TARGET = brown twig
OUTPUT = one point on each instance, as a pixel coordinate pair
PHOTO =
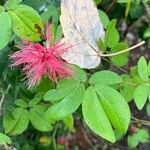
(142, 122)
(111, 7)
(123, 51)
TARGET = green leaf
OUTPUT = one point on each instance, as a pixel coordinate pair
(17, 122)
(104, 18)
(148, 68)
(58, 33)
(143, 69)
(134, 71)
(137, 80)
(12, 4)
(133, 140)
(5, 29)
(68, 105)
(4, 139)
(38, 5)
(111, 41)
(119, 136)
(121, 59)
(141, 94)
(147, 33)
(38, 120)
(127, 87)
(95, 116)
(21, 103)
(51, 11)
(69, 122)
(24, 25)
(128, 6)
(53, 31)
(34, 101)
(98, 1)
(143, 135)
(149, 96)
(79, 73)
(136, 11)
(45, 85)
(62, 90)
(1, 9)
(105, 77)
(4, 59)
(102, 45)
(115, 107)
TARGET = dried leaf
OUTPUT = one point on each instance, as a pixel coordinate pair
(82, 28)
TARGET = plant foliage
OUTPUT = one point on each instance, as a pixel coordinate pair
(95, 92)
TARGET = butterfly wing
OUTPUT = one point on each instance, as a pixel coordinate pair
(82, 28)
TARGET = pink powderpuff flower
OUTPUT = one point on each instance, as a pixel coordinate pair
(38, 60)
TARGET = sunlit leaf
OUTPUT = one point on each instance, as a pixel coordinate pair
(4, 139)
(95, 116)
(66, 106)
(122, 59)
(143, 69)
(111, 41)
(105, 77)
(104, 18)
(64, 88)
(24, 25)
(21, 103)
(12, 4)
(17, 122)
(5, 29)
(38, 120)
(141, 94)
(115, 107)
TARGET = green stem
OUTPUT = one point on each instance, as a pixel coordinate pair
(123, 70)
(54, 137)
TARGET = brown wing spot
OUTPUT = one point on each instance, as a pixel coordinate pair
(38, 28)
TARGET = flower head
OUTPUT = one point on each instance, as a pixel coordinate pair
(39, 60)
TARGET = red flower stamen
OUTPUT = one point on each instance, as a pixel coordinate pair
(39, 60)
